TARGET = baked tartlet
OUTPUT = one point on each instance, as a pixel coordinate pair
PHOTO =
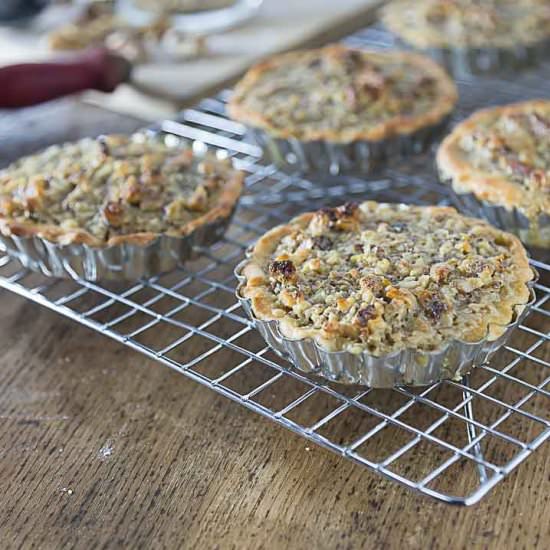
(336, 109)
(479, 35)
(382, 294)
(116, 195)
(498, 163)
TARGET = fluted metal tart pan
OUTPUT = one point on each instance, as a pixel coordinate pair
(406, 367)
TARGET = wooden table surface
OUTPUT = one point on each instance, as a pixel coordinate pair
(103, 448)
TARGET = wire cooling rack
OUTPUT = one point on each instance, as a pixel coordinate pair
(453, 440)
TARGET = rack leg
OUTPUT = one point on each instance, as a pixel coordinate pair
(472, 430)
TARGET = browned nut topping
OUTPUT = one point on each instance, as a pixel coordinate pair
(501, 156)
(432, 305)
(114, 187)
(113, 213)
(440, 272)
(282, 269)
(8, 206)
(398, 227)
(35, 193)
(322, 243)
(131, 191)
(368, 96)
(198, 200)
(348, 209)
(365, 314)
(341, 218)
(402, 279)
(373, 283)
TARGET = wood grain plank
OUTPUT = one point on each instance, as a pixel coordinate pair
(103, 448)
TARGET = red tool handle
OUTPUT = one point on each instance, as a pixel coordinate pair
(31, 83)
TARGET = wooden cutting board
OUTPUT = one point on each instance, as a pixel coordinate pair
(280, 25)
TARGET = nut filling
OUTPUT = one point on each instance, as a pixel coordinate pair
(502, 156)
(113, 189)
(381, 278)
(342, 95)
(469, 23)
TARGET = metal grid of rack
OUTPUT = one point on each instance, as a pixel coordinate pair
(453, 440)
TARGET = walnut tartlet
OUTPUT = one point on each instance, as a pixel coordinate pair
(340, 97)
(380, 281)
(469, 23)
(499, 159)
(487, 29)
(116, 191)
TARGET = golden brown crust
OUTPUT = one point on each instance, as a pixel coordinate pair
(228, 188)
(454, 165)
(223, 209)
(339, 335)
(396, 125)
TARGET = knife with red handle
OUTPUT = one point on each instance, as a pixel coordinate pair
(31, 83)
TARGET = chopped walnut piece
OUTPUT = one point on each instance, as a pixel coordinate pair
(198, 200)
(283, 270)
(372, 80)
(131, 191)
(475, 266)
(348, 209)
(401, 295)
(113, 212)
(322, 242)
(432, 304)
(440, 272)
(351, 59)
(375, 283)
(365, 314)
(341, 218)
(176, 210)
(35, 193)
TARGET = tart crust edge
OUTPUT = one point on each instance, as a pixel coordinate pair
(399, 125)
(255, 290)
(222, 208)
(455, 168)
